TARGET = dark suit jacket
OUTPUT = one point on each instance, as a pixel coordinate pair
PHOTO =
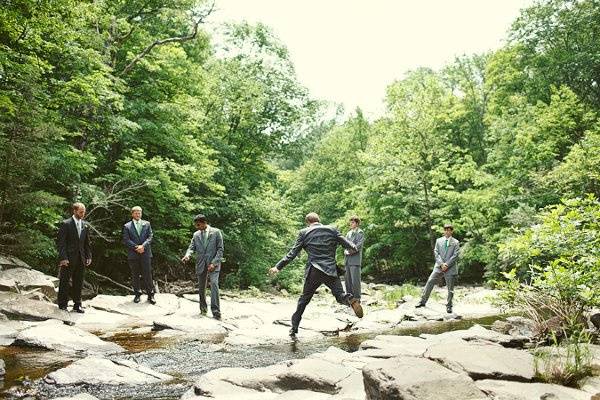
(320, 242)
(71, 246)
(131, 239)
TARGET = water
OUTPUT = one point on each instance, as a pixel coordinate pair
(186, 361)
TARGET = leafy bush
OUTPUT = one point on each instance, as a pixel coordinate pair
(556, 265)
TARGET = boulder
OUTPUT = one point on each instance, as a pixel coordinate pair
(26, 279)
(55, 335)
(8, 262)
(387, 346)
(268, 334)
(101, 371)
(484, 360)
(595, 320)
(509, 390)
(198, 326)
(403, 378)
(2, 368)
(9, 331)
(312, 374)
(165, 304)
(20, 307)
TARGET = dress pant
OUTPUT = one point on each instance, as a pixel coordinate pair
(436, 276)
(352, 279)
(141, 271)
(70, 282)
(314, 279)
(213, 277)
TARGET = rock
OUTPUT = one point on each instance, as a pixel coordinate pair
(2, 368)
(30, 279)
(479, 333)
(8, 262)
(509, 390)
(54, 335)
(484, 360)
(80, 396)
(165, 304)
(522, 326)
(387, 346)
(9, 331)
(415, 378)
(595, 320)
(323, 323)
(591, 385)
(20, 307)
(102, 322)
(100, 371)
(198, 326)
(268, 334)
(314, 374)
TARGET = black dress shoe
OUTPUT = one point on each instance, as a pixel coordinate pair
(64, 308)
(449, 309)
(136, 298)
(293, 333)
(78, 309)
(151, 299)
(419, 305)
(217, 317)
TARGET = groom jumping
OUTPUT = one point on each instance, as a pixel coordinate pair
(320, 242)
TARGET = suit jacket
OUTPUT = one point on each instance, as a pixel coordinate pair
(320, 242)
(131, 239)
(446, 255)
(358, 238)
(210, 252)
(71, 246)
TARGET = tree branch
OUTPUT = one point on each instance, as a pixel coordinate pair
(175, 39)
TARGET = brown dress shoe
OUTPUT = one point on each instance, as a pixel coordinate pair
(355, 304)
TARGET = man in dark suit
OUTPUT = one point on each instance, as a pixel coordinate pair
(75, 254)
(207, 244)
(320, 242)
(353, 259)
(137, 237)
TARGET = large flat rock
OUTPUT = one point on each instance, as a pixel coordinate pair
(29, 279)
(268, 334)
(2, 368)
(508, 390)
(591, 385)
(386, 346)
(165, 304)
(101, 371)
(324, 323)
(412, 378)
(16, 306)
(484, 360)
(55, 335)
(10, 329)
(197, 326)
(80, 396)
(479, 333)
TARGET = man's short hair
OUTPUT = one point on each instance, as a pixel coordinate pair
(448, 226)
(200, 218)
(76, 206)
(355, 218)
(136, 208)
(312, 217)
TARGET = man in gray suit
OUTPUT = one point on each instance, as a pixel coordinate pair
(207, 243)
(320, 242)
(353, 259)
(446, 253)
(137, 237)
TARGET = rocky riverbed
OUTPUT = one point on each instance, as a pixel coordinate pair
(119, 349)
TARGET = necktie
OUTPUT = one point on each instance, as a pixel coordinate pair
(205, 239)
(446, 244)
(78, 224)
(138, 227)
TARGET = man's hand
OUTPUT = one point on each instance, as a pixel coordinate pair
(211, 267)
(63, 263)
(346, 252)
(185, 259)
(273, 271)
(444, 267)
(140, 249)
(88, 262)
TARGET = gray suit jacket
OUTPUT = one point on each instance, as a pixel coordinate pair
(358, 238)
(132, 239)
(320, 242)
(448, 256)
(210, 252)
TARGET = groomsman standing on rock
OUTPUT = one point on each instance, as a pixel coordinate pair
(137, 237)
(353, 258)
(207, 243)
(75, 254)
(320, 242)
(446, 253)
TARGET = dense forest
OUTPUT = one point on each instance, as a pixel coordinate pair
(118, 103)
